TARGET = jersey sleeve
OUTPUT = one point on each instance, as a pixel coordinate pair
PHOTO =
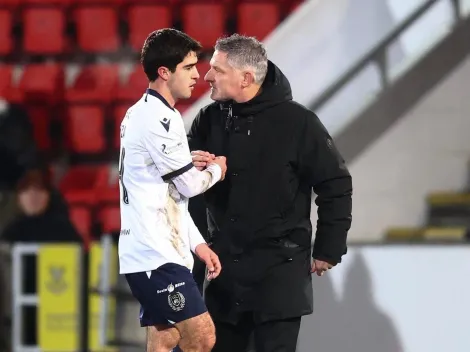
(167, 145)
(195, 237)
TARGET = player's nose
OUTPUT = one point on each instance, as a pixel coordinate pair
(196, 74)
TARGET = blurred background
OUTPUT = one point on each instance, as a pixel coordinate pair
(388, 78)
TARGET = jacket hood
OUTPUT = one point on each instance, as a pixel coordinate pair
(274, 90)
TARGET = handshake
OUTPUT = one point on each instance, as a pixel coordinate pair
(203, 159)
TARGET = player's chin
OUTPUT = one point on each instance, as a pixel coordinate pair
(186, 95)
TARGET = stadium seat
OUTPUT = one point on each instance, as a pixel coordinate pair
(85, 126)
(257, 19)
(41, 117)
(135, 86)
(97, 36)
(44, 30)
(109, 218)
(6, 23)
(9, 3)
(6, 72)
(201, 86)
(118, 115)
(81, 218)
(204, 21)
(94, 83)
(144, 19)
(78, 184)
(42, 83)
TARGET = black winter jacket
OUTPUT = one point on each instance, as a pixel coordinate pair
(259, 216)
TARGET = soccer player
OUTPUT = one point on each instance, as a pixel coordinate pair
(156, 179)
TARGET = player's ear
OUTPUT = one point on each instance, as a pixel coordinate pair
(163, 73)
(248, 79)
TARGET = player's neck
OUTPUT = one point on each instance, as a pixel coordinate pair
(162, 89)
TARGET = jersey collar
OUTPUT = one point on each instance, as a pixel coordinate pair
(157, 95)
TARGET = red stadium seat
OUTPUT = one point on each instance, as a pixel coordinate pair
(42, 83)
(44, 30)
(257, 19)
(205, 22)
(107, 193)
(109, 217)
(118, 115)
(95, 83)
(9, 3)
(6, 24)
(78, 184)
(80, 216)
(97, 29)
(135, 87)
(40, 117)
(144, 19)
(85, 129)
(6, 72)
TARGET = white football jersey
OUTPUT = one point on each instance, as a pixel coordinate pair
(156, 179)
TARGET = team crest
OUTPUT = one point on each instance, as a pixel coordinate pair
(57, 284)
(176, 300)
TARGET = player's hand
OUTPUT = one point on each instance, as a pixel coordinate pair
(222, 162)
(211, 260)
(320, 267)
(201, 158)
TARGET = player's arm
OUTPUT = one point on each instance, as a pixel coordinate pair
(195, 237)
(171, 155)
(199, 247)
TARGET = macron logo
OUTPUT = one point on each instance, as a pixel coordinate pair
(166, 124)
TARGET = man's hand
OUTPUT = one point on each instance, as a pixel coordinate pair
(320, 267)
(222, 162)
(211, 260)
(201, 158)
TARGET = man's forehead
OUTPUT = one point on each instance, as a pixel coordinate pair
(219, 59)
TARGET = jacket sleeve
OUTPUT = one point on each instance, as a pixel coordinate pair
(324, 169)
(197, 133)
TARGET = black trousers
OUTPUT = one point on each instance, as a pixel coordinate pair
(272, 336)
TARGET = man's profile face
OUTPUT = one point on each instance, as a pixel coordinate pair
(225, 80)
(182, 81)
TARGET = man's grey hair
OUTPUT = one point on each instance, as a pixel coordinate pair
(245, 53)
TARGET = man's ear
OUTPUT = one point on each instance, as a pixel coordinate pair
(163, 73)
(248, 79)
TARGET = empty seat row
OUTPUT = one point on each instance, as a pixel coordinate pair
(87, 113)
(101, 83)
(45, 28)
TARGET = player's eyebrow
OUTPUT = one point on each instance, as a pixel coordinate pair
(189, 65)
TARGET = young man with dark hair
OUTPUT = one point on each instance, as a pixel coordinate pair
(156, 180)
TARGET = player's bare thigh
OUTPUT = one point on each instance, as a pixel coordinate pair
(162, 338)
(197, 334)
